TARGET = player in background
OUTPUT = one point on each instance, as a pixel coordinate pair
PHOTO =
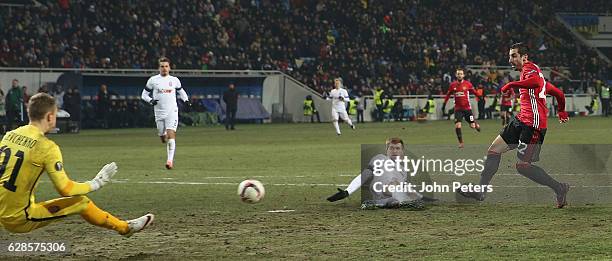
(461, 90)
(394, 150)
(160, 92)
(339, 98)
(506, 106)
(25, 154)
(525, 132)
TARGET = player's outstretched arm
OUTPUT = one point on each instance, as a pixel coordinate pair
(66, 187)
(529, 83)
(54, 167)
(558, 94)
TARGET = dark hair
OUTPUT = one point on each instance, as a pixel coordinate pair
(521, 47)
(39, 105)
(163, 59)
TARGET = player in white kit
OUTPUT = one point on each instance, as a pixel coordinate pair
(339, 98)
(383, 199)
(160, 92)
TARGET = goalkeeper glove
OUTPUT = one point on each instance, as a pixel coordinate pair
(104, 176)
(563, 117)
(338, 196)
(153, 102)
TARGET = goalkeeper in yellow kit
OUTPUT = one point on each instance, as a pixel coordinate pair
(25, 153)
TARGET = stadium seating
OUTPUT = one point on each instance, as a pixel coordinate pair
(398, 44)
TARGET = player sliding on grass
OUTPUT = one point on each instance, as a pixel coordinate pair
(525, 132)
(339, 98)
(394, 150)
(161, 92)
(25, 153)
(461, 89)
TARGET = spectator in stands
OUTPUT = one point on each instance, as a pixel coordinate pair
(480, 97)
(58, 94)
(310, 109)
(123, 114)
(361, 106)
(24, 109)
(115, 114)
(605, 99)
(43, 88)
(26, 96)
(103, 106)
(379, 95)
(133, 116)
(593, 105)
(402, 48)
(72, 104)
(398, 110)
(230, 97)
(14, 105)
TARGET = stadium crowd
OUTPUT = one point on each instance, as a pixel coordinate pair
(406, 46)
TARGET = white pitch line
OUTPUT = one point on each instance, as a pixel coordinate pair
(223, 183)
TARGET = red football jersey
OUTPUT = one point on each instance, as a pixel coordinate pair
(461, 91)
(533, 101)
(506, 98)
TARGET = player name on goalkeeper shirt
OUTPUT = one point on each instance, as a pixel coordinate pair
(18, 248)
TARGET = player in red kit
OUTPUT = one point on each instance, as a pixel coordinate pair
(525, 132)
(461, 89)
(506, 106)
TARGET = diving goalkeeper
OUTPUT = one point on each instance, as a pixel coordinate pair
(25, 153)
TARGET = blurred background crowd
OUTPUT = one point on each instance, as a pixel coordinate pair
(405, 46)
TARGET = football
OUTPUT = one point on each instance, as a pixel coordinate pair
(251, 191)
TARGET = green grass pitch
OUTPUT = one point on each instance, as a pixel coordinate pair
(199, 216)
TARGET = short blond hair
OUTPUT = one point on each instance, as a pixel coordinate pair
(39, 105)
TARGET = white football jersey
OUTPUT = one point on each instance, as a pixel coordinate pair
(393, 177)
(164, 91)
(335, 94)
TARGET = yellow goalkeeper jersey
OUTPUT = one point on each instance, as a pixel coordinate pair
(25, 153)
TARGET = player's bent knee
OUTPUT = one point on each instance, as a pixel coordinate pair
(80, 203)
(170, 134)
(522, 166)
